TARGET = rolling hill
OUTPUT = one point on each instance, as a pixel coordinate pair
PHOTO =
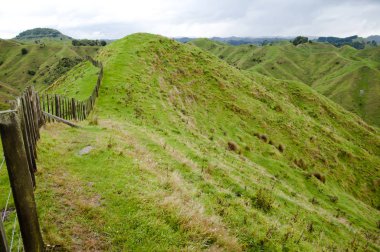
(36, 62)
(347, 76)
(190, 153)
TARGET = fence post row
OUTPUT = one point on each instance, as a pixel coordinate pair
(20, 178)
(19, 130)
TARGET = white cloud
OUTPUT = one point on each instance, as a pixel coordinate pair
(115, 19)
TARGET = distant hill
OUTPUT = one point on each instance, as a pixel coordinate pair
(354, 41)
(39, 33)
(374, 38)
(241, 40)
(349, 77)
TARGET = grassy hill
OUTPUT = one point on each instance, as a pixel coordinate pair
(349, 77)
(42, 33)
(35, 62)
(190, 153)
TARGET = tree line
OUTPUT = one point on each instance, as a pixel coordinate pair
(88, 42)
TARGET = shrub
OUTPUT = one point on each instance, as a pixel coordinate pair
(264, 199)
(1, 62)
(24, 51)
(271, 142)
(232, 146)
(300, 40)
(314, 201)
(264, 138)
(310, 227)
(31, 72)
(333, 199)
(281, 148)
(319, 176)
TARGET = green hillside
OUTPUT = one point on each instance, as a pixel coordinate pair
(348, 76)
(37, 63)
(189, 153)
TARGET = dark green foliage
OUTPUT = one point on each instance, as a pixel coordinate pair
(264, 138)
(300, 40)
(63, 65)
(24, 51)
(281, 148)
(333, 199)
(40, 33)
(88, 42)
(31, 72)
(339, 42)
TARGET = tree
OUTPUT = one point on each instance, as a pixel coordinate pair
(75, 42)
(103, 43)
(24, 51)
(300, 40)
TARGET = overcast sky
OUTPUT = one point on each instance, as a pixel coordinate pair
(193, 18)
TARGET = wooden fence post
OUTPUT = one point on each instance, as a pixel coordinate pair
(73, 108)
(21, 182)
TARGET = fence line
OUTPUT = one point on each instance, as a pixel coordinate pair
(70, 108)
(19, 129)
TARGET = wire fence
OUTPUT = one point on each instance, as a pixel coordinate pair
(5, 219)
(19, 129)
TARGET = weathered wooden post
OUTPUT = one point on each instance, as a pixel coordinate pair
(56, 105)
(74, 112)
(20, 179)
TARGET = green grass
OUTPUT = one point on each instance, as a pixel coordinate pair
(161, 177)
(338, 73)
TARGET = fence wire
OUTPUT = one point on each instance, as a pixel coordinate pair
(2, 163)
(15, 230)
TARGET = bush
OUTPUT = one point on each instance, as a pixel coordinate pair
(333, 199)
(319, 176)
(232, 146)
(88, 42)
(24, 51)
(300, 40)
(264, 138)
(264, 199)
(31, 72)
(281, 148)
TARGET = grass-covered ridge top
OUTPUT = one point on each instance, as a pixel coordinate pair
(191, 153)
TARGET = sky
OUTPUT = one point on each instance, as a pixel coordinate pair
(113, 19)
